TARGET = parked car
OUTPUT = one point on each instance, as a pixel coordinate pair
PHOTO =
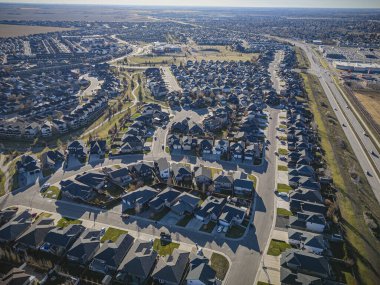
(45, 187)
(219, 229)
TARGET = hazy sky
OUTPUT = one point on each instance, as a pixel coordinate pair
(222, 3)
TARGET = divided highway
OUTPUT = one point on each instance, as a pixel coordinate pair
(361, 144)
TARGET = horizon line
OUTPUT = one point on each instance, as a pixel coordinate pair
(186, 6)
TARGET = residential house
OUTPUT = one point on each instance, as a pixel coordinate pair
(110, 255)
(34, 236)
(306, 263)
(59, 240)
(75, 190)
(203, 176)
(308, 241)
(243, 186)
(231, 215)
(141, 169)
(28, 164)
(51, 159)
(205, 146)
(139, 198)
(223, 181)
(98, 147)
(210, 209)
(171, 269)
(163, 167)
(185, 204)
(18, 276)
(120, 176)
(307, 220)
(138, 264)
(200, 272)
(289, 277)
(181, 172)
(85, 247)
(77, 148)
(164, 199)
(15, 227)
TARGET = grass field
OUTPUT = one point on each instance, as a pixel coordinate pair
(197, 53)
(53, 192)
(302, 60)
(282, 151)
(23, 30)
(220, 264)
(64, 222)
(371, 102)
(163, 247)
(2, 183)
(284, 212)
(112, 234)
(283, 188)
(353, 199)
(282, 168)
(276, 247)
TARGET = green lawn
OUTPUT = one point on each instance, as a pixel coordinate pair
(135, 115)
(163, 247)
(64, 222)
(53, 192)
(208, 228)
(283, 138)
(282, 126)
(220, 264)
(282, 151)
(112, 234)
(276, 247)
(262, 283)
(184, 221)
(283, 212)
(159, 215)
(150, 139)
(283, 188)
(235, 231)
(253, 178)
(282, 168)
(2, 183)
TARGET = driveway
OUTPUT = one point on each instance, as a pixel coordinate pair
(194, 224)
(170, 218)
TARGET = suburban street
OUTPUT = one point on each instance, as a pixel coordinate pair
(244, 254)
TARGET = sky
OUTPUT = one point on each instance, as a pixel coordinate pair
(220, 3)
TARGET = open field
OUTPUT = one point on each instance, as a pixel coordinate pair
(371, 102)
(7, 31)
(196, 53)
(354, 195)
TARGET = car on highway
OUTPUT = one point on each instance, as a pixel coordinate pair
(155, 138)
(365, 134)
(369, 173)
(163, 146)
(347, 107)
(335, 109)
(343, 125)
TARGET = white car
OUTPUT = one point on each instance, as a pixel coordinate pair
(219, 229)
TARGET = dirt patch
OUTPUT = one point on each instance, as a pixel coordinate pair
(371, 102)
(8, 31)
